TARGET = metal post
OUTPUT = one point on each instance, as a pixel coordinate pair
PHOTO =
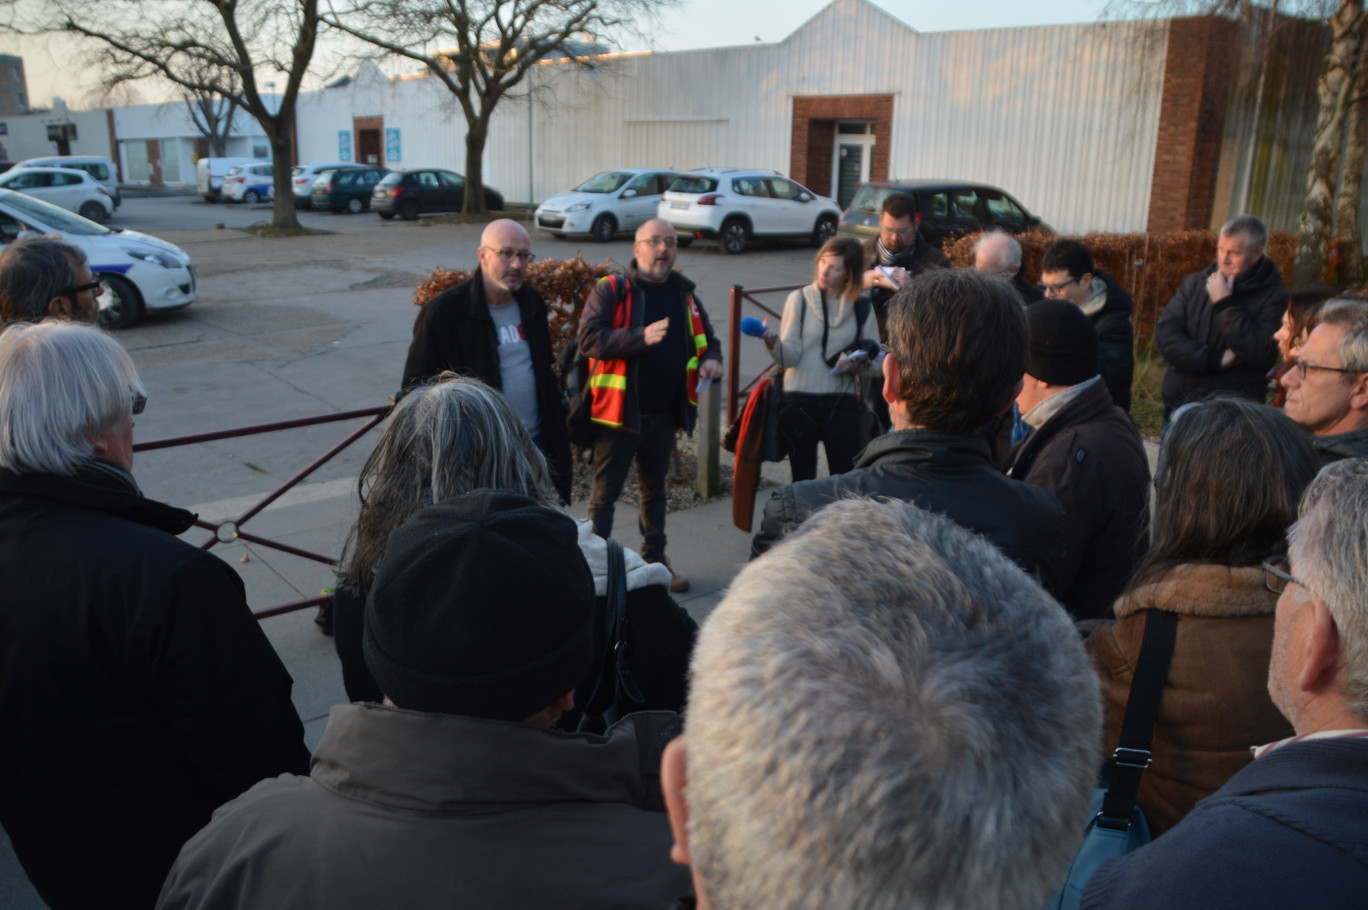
(709, 437)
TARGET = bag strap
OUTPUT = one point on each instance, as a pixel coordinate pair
(609, 678)
(1132, 755)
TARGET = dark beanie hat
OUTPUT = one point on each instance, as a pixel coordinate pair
(1063, 343)
(482, 605)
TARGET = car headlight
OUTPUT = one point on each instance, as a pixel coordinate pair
(578, 207)
(154, 257)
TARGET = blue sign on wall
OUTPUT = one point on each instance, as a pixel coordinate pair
(344, 145)
(392, 145)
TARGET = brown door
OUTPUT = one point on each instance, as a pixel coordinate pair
(368, 147)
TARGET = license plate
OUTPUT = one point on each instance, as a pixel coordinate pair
(679, 206)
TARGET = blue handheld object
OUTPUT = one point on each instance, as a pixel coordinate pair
(752, 326)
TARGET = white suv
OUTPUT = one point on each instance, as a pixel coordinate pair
(733, 205)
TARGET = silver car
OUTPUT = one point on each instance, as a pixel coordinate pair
(606, 204)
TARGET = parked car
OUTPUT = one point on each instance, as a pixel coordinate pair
(302, 177)
(345, 189)
(949, 209)
(735, 205)
(102, 169)
(249, 183)
(606, 203)
(209, 174)
(411, 193)
(73, 190)
(139, 272)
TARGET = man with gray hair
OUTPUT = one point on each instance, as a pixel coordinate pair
(885, 712)
(1327, 387)
(1288, 829)
(137, 692)
(46, 276)
(998, 253)
(1217, 332)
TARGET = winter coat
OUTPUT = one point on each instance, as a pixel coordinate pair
(597, 338)
(1193, 334)
(1091, 458)
(137, 692)
(1215, 703)
(1330, 449)
(407, 809)
(948, 473)
(455, 331)
(1115, 340)
(1286, 831)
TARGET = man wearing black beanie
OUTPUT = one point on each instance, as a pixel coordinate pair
(455, 791)
(1085, 450)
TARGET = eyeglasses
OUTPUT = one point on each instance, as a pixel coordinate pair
(668, 242)
(139, 403)
(508, 255)
(897, 232)
(1276, 575)
(92, 286)
(1057, 287)
(1302, 366)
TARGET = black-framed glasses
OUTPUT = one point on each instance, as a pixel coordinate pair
(1057, 287)
(1277, 575)
(91, 286)
(1302, 366)
(139, 403)
(508, 254)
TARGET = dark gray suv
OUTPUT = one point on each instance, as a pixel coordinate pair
(949, 209)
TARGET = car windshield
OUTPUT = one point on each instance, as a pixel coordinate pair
(693, 185)
(870, 198)
(391, 179)
(40, 215)
(607, 182)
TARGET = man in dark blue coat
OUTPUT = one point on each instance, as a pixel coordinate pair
(1289, 829)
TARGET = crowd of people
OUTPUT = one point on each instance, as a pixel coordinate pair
(909, 697)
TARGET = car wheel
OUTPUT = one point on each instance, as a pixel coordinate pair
(734, 236)
(250, 197)
(685, 240)
(824, 231)
(603, 228)
(386, 215)
(355, 206)
(93, 211)
(408, 209)
(120, 305)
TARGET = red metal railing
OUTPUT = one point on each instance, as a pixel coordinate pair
(230, 529)
(738, 297)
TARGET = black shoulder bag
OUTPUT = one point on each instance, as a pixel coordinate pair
(615, 693)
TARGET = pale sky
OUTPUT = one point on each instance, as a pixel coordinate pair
(53, 66)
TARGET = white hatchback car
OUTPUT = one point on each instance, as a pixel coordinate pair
(734, 205)
(249, 183)
(139, 272)
(606, 203)
(73, 190)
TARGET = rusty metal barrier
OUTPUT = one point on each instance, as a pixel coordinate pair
(230, 529)
(738, 296)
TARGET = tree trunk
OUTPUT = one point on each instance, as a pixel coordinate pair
(1348, 205)
(218, 144)
(284, 216)
(1313, 232)
(476, 135)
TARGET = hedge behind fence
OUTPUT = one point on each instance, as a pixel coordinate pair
(1150, 266)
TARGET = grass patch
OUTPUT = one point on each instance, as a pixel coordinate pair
(1147, 404)
(262, 229)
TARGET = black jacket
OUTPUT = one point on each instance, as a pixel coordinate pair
(1331, 449)
(1192, 335)
(137, 692)
(1090, 456)
(918, 257)
(942, 472)
(1116, 342)
(454, 331)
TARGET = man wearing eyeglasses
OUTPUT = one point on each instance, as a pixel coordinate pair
(899, 252)
(1067, 272)
(1327, 387)
(649, 342)
(1217, 332)
(493, 326)
(1288, 829)
(46, 276)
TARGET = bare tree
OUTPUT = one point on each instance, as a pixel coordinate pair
(482, 48)
(1348, 202)
(212, 112)
(202, 46)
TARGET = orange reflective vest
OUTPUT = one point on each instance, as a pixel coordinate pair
(608, 378)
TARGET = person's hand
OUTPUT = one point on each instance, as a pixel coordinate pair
(1227, 359)
(655, 332)
(711, 369)
(844, 365)
(876, 278)
(770, 338)
(1219, 287)
(898, 280)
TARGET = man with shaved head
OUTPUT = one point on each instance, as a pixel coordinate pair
(493, 327)
(649, 342)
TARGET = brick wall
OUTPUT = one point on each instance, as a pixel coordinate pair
(814, 127)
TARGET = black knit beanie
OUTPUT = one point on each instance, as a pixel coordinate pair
(482, 605)
(1063, 343)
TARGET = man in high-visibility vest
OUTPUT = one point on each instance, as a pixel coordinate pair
(649, 342)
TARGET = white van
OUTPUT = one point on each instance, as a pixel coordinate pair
(102, 169)
(209, 174)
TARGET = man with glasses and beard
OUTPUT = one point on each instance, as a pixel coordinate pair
(900, 248)
(493, 326)
(649, 342)
(46, 276)
(1327, 387)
